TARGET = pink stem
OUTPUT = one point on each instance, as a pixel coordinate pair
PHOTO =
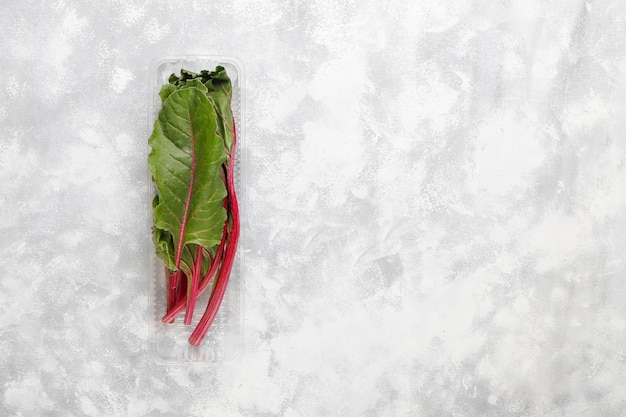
(171, 290)
(193, 288)
(181, 288)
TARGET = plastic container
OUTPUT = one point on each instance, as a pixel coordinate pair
(224, 341)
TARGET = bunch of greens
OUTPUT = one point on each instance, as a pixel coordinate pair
(196, 216)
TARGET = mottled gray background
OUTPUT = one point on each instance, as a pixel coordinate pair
(435, 208)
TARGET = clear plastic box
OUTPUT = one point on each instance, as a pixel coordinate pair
(224, 341)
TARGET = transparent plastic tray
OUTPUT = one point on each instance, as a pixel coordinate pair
(224, 341)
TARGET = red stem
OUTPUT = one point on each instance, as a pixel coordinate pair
(174, 279)
(181, 289)
(193, 288)
(171, 290)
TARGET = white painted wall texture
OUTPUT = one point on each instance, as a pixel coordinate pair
(435, 211)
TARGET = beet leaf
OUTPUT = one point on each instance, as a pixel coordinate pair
(185, 162)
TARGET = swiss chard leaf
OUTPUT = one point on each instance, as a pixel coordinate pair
(220, 91)
(166, 90)
(185, 163)
(218, 87)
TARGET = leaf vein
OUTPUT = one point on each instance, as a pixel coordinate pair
(171, 172)
(168, 188)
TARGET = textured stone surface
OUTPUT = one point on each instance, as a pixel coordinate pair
(435, 208)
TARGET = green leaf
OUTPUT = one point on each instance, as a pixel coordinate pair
(195, 83)
(220, 92)
(166, 90)
(164, 244)
(185, 162)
